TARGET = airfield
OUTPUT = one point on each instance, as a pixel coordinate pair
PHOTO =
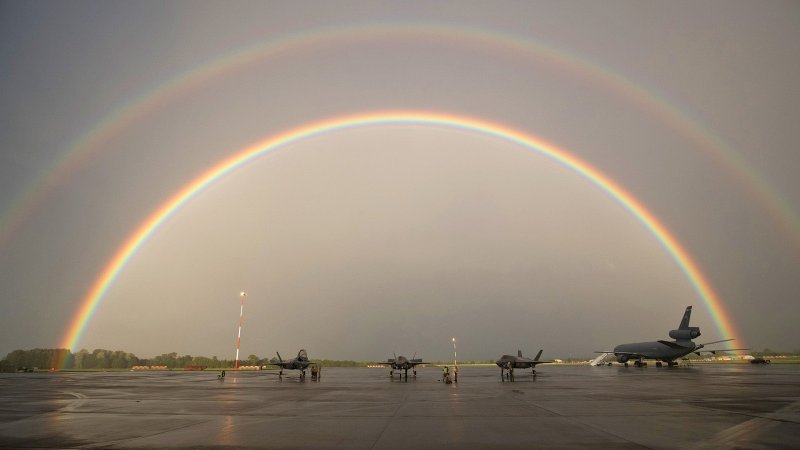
(704, 406)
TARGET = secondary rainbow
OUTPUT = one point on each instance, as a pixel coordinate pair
(387, 118)
(22, 206)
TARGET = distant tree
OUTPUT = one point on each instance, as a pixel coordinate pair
(183, 361)
(89, 361)
(42, 358)
(119, 360)
(102, 359)
(79, 358)
(16, 359)
(65, 359)
(167, 359)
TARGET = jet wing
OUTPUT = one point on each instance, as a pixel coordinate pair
(280, 363)
(415, 363)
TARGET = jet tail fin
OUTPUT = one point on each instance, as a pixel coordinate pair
(279, 356)
(538, 355)
(519, 353)
(685, 321)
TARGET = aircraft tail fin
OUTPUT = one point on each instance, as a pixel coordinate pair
(685, 321)
(279, 356)
(538, 355)
(519, 353)
(684, 331)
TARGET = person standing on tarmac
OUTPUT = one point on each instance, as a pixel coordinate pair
(445, 373)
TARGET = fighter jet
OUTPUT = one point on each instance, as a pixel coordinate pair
(509, 363)
(402, 363)
(666, 351)
(300, 363)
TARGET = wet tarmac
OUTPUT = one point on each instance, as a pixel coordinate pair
(708, 406)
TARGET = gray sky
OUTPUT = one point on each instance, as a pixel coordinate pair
(389, 239)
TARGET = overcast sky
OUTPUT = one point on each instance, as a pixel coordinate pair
(384, 239)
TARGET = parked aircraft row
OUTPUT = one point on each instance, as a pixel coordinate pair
(661, 351)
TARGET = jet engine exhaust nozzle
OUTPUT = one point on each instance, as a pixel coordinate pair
(685, 334)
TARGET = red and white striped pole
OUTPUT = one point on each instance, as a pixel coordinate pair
(242, 295)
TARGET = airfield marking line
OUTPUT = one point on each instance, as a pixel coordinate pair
(745, 431)
(588, 425)
(389, 420)
(119, 441)
(791, 407)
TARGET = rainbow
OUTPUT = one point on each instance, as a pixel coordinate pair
(778, 209)
(421, 118)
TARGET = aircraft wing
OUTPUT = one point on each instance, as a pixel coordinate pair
(715, 342)
(415, 363)
(697, 351)
(633, 354)
(714, 352)
(612, 352)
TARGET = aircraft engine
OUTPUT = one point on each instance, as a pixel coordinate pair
(686, 334)
(622, 358)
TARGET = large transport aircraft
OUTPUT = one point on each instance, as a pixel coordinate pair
(402, 363)
(666, 351)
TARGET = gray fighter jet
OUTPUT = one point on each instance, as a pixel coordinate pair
(402, 363)
(300, 363)
(666, 351)
(509, 363)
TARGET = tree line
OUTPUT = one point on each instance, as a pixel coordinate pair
(62, 358)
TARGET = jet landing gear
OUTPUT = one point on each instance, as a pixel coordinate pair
(405, 371)
(507, 374)
(669, 363)
(639, 363)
